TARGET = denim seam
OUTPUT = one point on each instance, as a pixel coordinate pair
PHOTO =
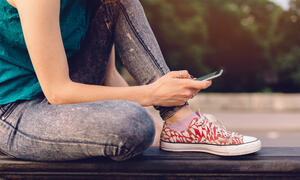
(21, 133)
(154, 61)
(9, 109)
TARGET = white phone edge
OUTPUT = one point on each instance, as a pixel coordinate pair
(215, 76)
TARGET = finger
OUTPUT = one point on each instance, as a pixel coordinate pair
(195, 92)
(184, 74)
(209, 82)
(198, 84)
(189, 94)
(192, 77)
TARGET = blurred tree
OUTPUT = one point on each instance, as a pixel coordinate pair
(240, 35)
(288, 71)
(256, 42)
(287, 52)
(181, 31)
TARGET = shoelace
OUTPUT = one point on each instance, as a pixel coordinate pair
(218, 123)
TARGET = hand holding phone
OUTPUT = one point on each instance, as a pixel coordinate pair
(210, 76)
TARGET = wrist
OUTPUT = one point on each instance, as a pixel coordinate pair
(147, 95)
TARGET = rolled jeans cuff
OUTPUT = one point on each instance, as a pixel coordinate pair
(167, 112)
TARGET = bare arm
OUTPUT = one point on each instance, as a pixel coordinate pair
(40, 24)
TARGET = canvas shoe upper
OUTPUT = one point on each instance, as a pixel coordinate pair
(206, 134)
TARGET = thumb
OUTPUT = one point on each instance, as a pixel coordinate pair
(199, 84)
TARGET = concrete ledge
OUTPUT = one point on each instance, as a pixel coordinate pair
(258, 102)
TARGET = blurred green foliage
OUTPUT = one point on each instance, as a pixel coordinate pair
(255, 41)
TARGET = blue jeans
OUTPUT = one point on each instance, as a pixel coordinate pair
(118, 129)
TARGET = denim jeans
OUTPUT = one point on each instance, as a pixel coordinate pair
(117, 129)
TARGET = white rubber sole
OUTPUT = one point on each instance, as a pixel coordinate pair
(222, 150)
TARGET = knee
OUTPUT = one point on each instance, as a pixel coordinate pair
(131, 4)
(139, 128)
(140, 124)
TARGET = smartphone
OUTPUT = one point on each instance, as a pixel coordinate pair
(210, 76)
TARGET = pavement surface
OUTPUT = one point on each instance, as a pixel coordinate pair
(274, 129)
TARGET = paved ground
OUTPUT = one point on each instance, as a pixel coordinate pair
(274, 129)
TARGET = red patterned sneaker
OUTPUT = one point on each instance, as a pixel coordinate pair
(205, 134)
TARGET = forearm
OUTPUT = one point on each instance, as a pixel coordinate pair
(115, 88)
(73, 92)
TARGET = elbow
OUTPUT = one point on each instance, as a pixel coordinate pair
(55, 99)
(58, 95)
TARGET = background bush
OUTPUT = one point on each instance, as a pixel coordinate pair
(255, 41)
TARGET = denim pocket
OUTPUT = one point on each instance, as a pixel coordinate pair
(7, 109)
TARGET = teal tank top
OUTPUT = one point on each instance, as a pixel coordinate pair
(17, 77)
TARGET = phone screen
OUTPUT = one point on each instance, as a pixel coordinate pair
(210, 76)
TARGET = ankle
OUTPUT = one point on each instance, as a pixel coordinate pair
(179, 115)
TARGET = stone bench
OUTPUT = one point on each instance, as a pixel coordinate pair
(269, 163)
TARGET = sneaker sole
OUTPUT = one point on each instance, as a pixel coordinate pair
(222, 150)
